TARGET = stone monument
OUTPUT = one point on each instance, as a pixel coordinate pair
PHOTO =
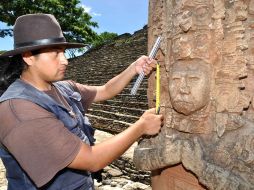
(207, 87)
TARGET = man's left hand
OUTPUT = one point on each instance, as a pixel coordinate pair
(144, 63)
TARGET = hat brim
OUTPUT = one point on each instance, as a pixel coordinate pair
(21, 50)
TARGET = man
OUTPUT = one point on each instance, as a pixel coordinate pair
(46, 141)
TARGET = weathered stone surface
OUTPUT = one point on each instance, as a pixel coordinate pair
(207, 87)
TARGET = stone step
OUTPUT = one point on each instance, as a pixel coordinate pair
(104, 70)
(108, 125)
(144, 83)
(102, 81)
(141, 90)
(124, 164)
(118, 109)
(139, 105)
(129, 98)
(114, 115)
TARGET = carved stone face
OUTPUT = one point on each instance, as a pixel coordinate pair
(189, 86)
(208, 52)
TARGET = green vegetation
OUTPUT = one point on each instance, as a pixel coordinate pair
(104, 37)
(77, 25)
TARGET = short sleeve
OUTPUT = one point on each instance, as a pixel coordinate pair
(37, 140)
(88, 93)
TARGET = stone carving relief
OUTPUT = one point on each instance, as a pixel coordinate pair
(207, 91)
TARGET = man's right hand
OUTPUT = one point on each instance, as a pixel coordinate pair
(94, 158)
(150, 122)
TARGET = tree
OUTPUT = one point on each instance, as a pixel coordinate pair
(75, 22)
(104, 37)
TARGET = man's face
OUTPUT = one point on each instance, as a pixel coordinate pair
(50, 64)
(189, 86)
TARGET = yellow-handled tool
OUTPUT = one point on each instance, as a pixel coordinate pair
(158, 93)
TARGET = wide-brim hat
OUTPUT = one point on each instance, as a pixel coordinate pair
(37, 31)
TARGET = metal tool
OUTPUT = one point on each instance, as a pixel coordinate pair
(142, 74)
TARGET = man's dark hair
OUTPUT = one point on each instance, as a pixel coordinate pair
(12, 70)
(13, 67)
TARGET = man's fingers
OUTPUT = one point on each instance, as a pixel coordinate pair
(152, 110)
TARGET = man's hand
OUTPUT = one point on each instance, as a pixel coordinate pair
(150, 122)
(144, 63)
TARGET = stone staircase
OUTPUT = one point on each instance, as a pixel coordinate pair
(99, 65)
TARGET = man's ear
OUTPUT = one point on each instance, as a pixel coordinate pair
(28, 58)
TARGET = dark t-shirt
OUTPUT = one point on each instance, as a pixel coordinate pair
(36, 138)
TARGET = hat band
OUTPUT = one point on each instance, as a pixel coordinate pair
(40, 42)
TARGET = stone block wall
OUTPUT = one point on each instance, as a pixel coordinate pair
(99, 65)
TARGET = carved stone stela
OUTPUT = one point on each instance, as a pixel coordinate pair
(207, 91)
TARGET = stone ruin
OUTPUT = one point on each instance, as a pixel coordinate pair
(207, 88)
(96, 67)
(99, 65)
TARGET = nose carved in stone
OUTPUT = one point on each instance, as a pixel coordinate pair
(207, 60)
